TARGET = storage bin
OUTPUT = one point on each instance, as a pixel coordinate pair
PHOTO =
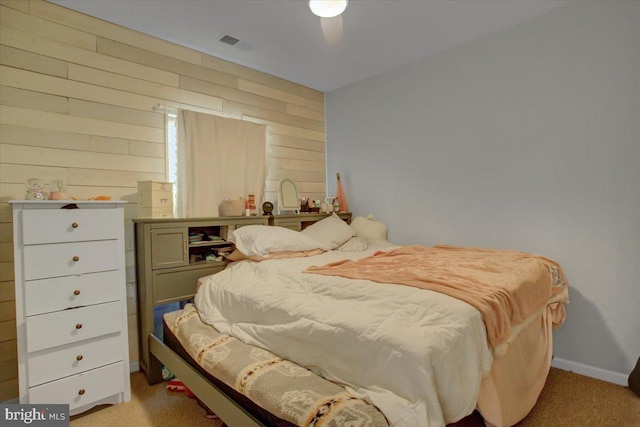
(155, 199)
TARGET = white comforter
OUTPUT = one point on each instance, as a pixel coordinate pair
(419, 356)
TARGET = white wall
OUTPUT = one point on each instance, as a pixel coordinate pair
(529, 139)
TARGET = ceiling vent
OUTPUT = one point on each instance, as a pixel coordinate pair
(227, 39)
(235, 43)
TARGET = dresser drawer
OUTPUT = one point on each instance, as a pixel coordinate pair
(64, 327)
(81, 389)
(60, 293)
(65, 259)
(69, 225)
(48, 365)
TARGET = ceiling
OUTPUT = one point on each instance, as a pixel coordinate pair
(283, 37)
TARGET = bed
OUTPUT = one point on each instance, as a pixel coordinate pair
(366, 349)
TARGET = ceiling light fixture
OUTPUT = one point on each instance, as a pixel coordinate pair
(327, 8)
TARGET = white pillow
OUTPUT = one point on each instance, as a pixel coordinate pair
(264, 239)
(330, 232)
(354, 244)
(374, 232)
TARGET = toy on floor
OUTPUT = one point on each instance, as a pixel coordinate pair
(177, 385)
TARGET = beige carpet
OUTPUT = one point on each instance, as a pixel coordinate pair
(568, 400)
(149, 406)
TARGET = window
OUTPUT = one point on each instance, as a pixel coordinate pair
(210, 159)
(172, 154)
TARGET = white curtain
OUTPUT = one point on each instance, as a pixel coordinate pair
(218, 159)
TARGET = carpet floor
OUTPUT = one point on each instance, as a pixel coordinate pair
(568, 400)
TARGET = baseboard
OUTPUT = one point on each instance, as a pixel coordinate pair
(590, 371)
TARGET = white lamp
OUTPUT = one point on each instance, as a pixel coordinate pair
(327, 8)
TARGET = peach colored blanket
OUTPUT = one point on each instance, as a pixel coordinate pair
(505, 286)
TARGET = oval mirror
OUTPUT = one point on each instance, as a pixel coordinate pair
(288, 196)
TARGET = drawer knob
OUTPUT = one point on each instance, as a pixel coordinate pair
(78, 325)
(76, 292)
(74, 225)
(79, 357)
(81, 391)
(76, 258)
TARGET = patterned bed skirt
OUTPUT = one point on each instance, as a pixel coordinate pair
(282, 388)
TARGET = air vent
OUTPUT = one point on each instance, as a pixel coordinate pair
(227, 39)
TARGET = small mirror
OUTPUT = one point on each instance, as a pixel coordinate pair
(288, 197)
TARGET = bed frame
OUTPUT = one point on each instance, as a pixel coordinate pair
(167, 272)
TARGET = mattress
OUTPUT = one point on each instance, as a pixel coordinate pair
(275, 391)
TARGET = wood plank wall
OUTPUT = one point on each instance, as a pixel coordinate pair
(76, 98)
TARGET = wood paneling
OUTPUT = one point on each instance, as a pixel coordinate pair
(31, 61)
(280, 129)
(231, 94)
(298, 154)
(6, 268)
(78, 159)
(70, 18)
(309, 113)
(47, 84)
(7, 308)
(147, 149)
(7, 289)
(6, 251)
(41, 27)
(301, 143)
(9, 388)
(21, 5)
(8, 369)
(20, 135)
(259, 77)
(8, 330)
(6, 232)
(44, 120)
(6, 215)
(7, 350)
(8, 358)
(113, 113)
(269, 92)
(76, 103)
(163, 62)
(91, 177)
(35, 44)
(302, 165)
(274, 116)
(35, 100)
(140, 86)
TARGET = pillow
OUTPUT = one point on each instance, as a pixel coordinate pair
(374, 232)
(264, 239)
(330, 232)
(354, 244)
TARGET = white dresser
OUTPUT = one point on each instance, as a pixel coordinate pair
(71, 309)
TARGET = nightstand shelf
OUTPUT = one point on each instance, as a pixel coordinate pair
(168, 267)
